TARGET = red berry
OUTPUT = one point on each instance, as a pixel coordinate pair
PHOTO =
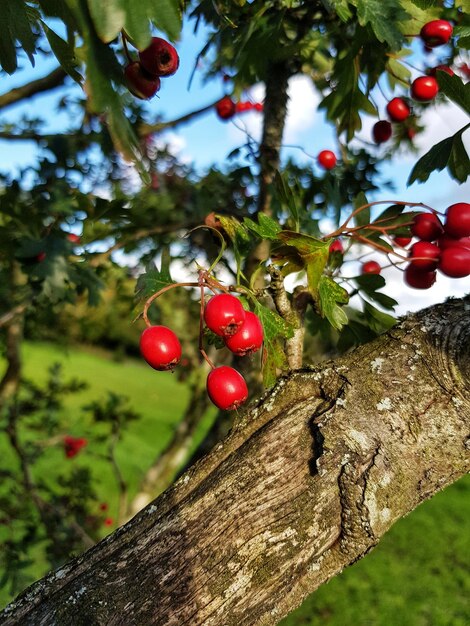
(327, 159)
(240, 107)
(398, 110)
(160, 58)
(424, 255)
(224, 314)
(382, 131)
(103, 506)
(108, 521)
(249, 338)
(446, 241)
(427, 226)
(73, 445)
(139, 83)
(226, 388)
(258, 106)
(458, 220)
(419, 279)
(424, 88)
(444, 68)
(402, 241)
(336, 246)
(160, 347)
(411, 133)
(455, 262)
(73, 238)
(371, 267)
(436, 33)
(225, 108)
(40, 257)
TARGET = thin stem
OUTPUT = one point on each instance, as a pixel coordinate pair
(159, 293)
(126, 49)
(201, 321)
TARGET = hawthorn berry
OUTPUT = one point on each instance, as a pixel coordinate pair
(436, 33)
(141, 84)
(258, 106)
(73, 445)
(424, 88)
(424, 255)
(371, 267)
(226, 388)
(108, 521)
(225, 108)
(419, 279)
(240, 107)
(427, 226)
(224, 314)
(327, 159)
(249, 338)
(398, 110)
(160, 347)
(457, 223)
(455, 262)
(159, 58)
(73, 238)
(402, 241)
(382, 131)
(336, 246)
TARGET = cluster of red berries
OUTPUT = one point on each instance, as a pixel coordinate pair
(157, 61)
(73, 445)
(226, 108)
(242, 333)
(445, 247)
(423, 88)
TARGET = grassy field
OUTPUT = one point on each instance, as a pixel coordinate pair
(418, 575)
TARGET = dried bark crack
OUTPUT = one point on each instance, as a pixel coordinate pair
(306, 483)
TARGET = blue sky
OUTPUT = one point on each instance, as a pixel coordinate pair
(208, 140)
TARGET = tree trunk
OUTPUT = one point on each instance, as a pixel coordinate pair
(306, 483)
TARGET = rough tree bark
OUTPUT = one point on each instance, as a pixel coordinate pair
(306, 483)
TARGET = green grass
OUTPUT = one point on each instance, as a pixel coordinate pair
(417, 576)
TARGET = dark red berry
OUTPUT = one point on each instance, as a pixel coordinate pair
(424, 255)
(371, 267)
(398, 110)
(159, 58)
(455, 262)
(457, 222)
(424, 88)
(427, 226)
(436, 33)
(160, 347)
(249, 338)
(327, 159)
(226, 388)
(336, 246)
(225, 108)
(382, 131)
(419, 279)
(73, 445)
(139, 83)
(402, 241)
(40, 257)
(224, 314)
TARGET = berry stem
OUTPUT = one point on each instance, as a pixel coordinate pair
(126, 49)
(159, 293)
(202, 282)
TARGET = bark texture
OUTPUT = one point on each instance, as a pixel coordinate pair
(305, 484)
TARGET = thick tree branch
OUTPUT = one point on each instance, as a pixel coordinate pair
(306, 483)
(46, 83)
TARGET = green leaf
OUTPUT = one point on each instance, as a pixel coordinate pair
(448, 152)
(313, 252)
(60, 10)
(378, 321)
(63, 52)
(454, 88)
(267, 227)
(384, 17)
(238, 236)
(369, 282)
(286, 196)
(135, 17)
(330, 295)
(363, 217)
(15, 26)
(276, 330)
(154, 279)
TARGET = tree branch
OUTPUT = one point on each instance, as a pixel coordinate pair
(306, 483)
(46, 83)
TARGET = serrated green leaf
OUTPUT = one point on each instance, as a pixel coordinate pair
(454, 88)
(276, 330)
(154, 279)
(383, 16)
(267, 227)
(330, 295)
(448, 152)
(378, 321)
(63, 52)
(313, 252)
